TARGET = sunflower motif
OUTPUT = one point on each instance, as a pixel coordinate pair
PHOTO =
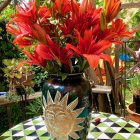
(60, 118)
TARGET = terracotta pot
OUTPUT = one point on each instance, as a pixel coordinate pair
(132, 114)
(137, 101)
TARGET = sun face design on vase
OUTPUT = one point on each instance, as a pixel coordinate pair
(60, 118)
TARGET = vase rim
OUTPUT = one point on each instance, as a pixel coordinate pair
(68, 75)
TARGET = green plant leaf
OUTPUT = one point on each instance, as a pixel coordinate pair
(18, 75)
(63, 76)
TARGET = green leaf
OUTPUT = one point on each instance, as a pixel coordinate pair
(63, 76)
(18, 75)
(37, 3)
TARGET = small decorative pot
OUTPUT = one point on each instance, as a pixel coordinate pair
(137, 101)
(67, 107)
(132, 115)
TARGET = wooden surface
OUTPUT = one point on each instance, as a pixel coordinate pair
(5, 101)
(102, 89)
(130, 5)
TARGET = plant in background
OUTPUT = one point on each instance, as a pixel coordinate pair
(20, 80)
(11, 70)
(17, 77)
(34, 108)
(3, 120)
(7, 51)
(65, 36)
(134, 84)
(39, 77)
(5, 14)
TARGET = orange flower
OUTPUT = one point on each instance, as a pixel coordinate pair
(67, 33)
(119, 27)
(91, 49)
(112, 8)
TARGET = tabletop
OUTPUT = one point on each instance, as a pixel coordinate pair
(111, 127)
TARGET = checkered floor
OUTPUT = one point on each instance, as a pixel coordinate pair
(110, 128)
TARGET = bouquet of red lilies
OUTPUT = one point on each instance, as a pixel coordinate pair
(67, 36)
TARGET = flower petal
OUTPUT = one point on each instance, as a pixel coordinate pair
(93, 60)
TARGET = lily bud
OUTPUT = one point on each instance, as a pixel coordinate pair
(103, 22)
(105, 3)
(112, 9)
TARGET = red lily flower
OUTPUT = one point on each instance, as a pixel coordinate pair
(67, 26)
(87, 21)
(44, 13)
(18, 28)
(54, 52)
(35, 59)
(107, 34)
(39, 33)
(24, 34)
(63, 29)
(27, 33)
(119, 27)
(84, 16)
(84, 7)
(27, 12)
(62, 7)
(87, 5)
(90, 49)
(65, 55)
(25, 24)
(75, 9)
(22, 41)
(47, 52)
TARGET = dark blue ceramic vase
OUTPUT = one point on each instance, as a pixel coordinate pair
(75, 94)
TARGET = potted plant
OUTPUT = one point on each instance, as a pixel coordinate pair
(17, 77)
(20, 80)
(134, 108)
(65, 37)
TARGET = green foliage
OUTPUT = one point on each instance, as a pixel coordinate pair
(6, 13)
(17, 113)
(16, 116)
(11, 70)
(134, 84)
(7, 51)
(138, 34)
(35, 108)
(136, 20)
(131, 16)
(39, 77)
(3, 120)
(123, 14)
(99, 2)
